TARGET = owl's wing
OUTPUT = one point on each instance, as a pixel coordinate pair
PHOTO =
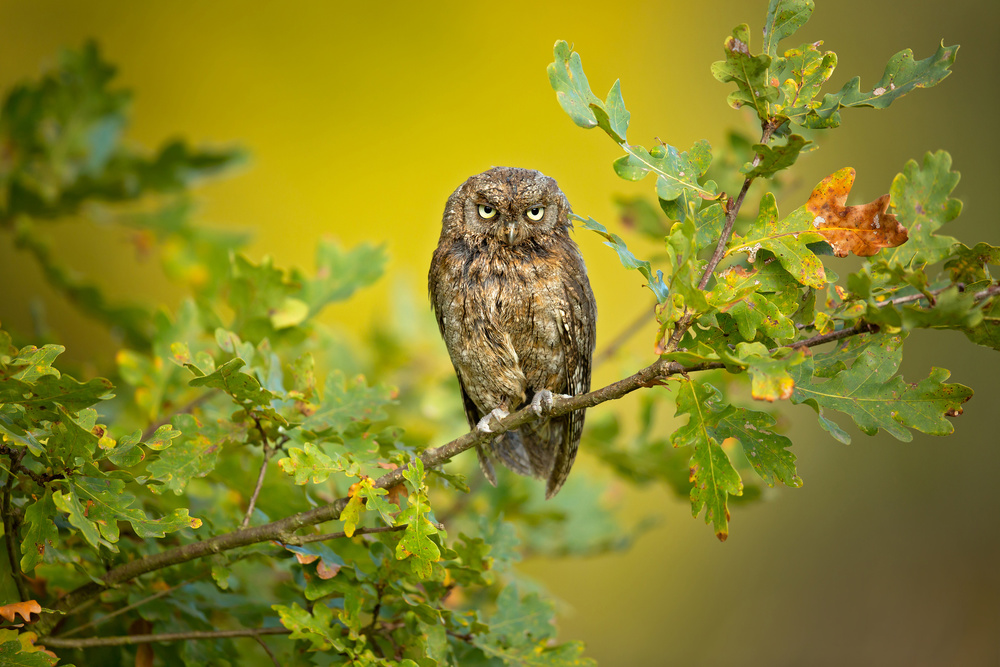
(577, 316)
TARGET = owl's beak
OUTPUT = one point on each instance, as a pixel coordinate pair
(511, 233)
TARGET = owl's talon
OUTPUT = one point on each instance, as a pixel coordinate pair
(484, 425)
(541, 403)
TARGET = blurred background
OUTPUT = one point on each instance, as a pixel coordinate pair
(362, 118)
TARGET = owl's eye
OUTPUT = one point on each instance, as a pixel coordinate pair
(535, 212)
(486, 211)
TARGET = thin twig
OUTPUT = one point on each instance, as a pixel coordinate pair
(267, 650)
(299, 540)
(187, 409)
(10, 528)
(268, 451)
(283, 530)
(125, 640)
(117, 612)
(732, 211)
(633, 328)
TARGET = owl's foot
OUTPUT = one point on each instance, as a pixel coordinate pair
(541, 403)
(491, 422)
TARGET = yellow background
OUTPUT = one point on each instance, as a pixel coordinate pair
(362, 118)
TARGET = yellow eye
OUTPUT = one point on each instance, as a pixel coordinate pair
(486, 211)
(535, 212)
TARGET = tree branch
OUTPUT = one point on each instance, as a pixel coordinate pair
(299, 540)
(89, 642)
(268, 452)
(122, 610)
(10, 530)
(283, 530)
(733, 210)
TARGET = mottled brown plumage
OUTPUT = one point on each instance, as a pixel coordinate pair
(515, 309)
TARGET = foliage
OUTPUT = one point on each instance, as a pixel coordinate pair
(238, 475)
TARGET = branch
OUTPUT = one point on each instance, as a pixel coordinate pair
(636, 326)
(268, 452)
(187, 409)
(10, 529)
(299, 540)
(283, 530)
(733, 210)
(89, 642)
(122, 610)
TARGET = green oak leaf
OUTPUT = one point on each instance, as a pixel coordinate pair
(987, 331)
(416, 544)
(788, 239)
(351, 514)
(339, 273)
(195, 453)
(748, 72)
(712, 473)
(628, 260)
(902, 74)
(41, 533)
(770, 372)
(970, 265)
(766, 451)
(346, 404)
(310, 464)
(318, 628)
(572, 88)
(919, 195)
(245, 389)
(801, 73)
(775, 158)
(107, 503)
(17, 649)
(677, 172)
(784, 18)
(859, 379)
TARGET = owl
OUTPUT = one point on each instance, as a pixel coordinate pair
(510, 292)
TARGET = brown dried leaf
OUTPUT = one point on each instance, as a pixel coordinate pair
(25, 609)
(862, 229)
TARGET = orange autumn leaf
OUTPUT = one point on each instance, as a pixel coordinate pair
(862, 229)
(25, 609)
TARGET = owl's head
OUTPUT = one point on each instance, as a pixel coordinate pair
(507, 205)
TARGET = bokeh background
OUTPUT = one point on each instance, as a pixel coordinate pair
(362, 117)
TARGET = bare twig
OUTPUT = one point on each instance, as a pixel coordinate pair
(283, 530)
(125, 640)
(10, 530)
(299, 540)
(633, 328)
(268, 452)
(186, 409)
(117, 612)
(267, 650)
(732, 211)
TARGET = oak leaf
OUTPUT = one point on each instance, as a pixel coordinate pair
(25, 609)
(864, 229)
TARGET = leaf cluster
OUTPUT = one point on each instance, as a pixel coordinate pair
(757, 296)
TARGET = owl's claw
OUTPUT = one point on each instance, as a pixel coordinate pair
(485, 426)
(541, 404)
